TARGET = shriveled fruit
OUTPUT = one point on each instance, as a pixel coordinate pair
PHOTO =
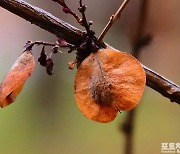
(14, 80)
(106, 82)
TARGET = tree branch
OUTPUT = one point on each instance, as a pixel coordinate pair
(73, 35)
(164, 86)
(43, 19)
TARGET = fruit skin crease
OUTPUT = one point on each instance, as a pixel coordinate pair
(15, 79)
(106, 82)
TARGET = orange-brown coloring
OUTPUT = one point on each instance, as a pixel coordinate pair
(14, 80)
(106, 82)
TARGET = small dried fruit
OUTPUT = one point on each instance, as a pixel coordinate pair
(14, 80)
(49, 66)
(42, 58)
(106, 82)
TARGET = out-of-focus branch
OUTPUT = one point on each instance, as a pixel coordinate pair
(139, 41)
(113, 18)
(73, 35)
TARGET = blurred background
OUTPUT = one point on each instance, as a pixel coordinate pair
(45, 118)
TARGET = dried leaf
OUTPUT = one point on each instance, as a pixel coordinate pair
(49, 66)
(106, 82)
(14, 80)
(42, 58)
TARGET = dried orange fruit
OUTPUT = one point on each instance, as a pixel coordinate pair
(106, 82)
(14, 80)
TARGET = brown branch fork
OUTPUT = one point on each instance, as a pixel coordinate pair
(73, 35)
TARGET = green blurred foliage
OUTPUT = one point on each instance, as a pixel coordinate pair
(45, 118)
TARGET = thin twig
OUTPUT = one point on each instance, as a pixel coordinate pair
(74, 36)
(67, 10)
(84, 20)
(113, 18)
(30, 44)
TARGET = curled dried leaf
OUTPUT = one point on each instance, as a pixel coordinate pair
(14, 80)
(106, 82)
(42, 58)
(49, 66)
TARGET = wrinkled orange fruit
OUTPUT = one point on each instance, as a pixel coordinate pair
(14, 80)
(106, 82)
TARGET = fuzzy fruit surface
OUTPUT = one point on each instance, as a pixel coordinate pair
(108, 81)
